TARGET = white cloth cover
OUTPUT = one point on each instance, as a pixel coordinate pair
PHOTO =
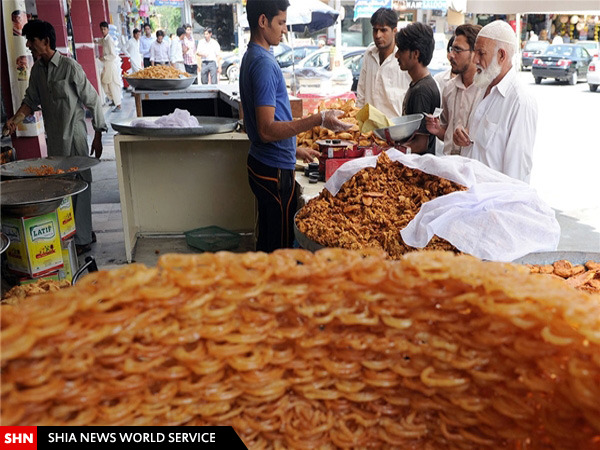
(180, 118)
(498, 218)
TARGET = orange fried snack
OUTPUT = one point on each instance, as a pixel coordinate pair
(373, 207)
(45, 169)
(299, 350)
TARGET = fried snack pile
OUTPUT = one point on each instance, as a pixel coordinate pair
(373, 207)
(584, 277)
(45, 169)
(309, 138)
(159, 72)
(299, 350)
(18, 293)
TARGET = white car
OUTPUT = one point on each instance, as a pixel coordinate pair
(593, 74)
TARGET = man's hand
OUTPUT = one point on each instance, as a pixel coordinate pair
(329, 119)
(461, 137)
(11, 124)
(97, 145)
(306, 154)
(433, 126)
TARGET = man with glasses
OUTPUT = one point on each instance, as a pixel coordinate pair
(381, 84)
(460, 94)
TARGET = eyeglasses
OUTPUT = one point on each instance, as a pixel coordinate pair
(458, 50)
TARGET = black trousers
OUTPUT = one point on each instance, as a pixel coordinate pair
(275, 192)
(147, 62)
(192, 69)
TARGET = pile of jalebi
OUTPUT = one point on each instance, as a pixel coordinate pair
(300, 350)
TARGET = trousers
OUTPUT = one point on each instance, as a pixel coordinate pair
(209, 67)
(275, 192)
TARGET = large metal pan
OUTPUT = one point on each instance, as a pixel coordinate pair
(208, 125)
(304, 241)
(16, 169)
(542, 258)
(160, 84)
(4, 242)
(27, 197)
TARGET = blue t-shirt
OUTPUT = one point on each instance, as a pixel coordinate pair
(262, 84)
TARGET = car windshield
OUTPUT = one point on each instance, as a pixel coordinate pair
(530, 46)
(558, 50)
(589, 45)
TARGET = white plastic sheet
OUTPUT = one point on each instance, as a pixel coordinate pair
(180, 118)
(498, 218)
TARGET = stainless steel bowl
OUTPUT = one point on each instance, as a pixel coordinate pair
(160, 84)
(36, 196)
(4, 242)
(207, 125)
(403, 128)
(16, 169)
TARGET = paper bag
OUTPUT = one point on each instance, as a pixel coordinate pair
(370, 118)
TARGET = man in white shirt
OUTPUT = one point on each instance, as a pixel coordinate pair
(460, 95)
(112, 83)
(133, 50)
(176, 50)
(159, 50)
(381, 83)
(145, 42)
(502, 126)
(210, 52)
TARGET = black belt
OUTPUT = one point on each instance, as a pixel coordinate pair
(208, 62)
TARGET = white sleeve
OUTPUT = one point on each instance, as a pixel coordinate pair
(518, 154)
(362, 82)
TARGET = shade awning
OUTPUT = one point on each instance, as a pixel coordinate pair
(530, 6)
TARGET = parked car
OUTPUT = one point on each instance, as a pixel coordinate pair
(531, 51)
(593, 47)
(562, 62)
(353, 60)
(292, 56)
(593, 74)
(230, 65)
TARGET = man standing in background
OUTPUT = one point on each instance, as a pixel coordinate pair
(133, 50)
(210, 52)
(159, 50)
(111, 70)
(189, 52)
(176, 50)
(381, 84)
(145, 43)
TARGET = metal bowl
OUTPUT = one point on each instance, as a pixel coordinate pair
(36, 196)
(403, 128)
(208, 125)
(304, 241)
(16, 169)
(4, 242)
(160, 84)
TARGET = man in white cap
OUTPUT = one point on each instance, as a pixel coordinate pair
(501, 128)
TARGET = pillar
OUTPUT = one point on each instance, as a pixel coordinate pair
(98, 13)
(53, 11)
(84, 40)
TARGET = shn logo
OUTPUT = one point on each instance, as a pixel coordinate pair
(18, 438)
(42, 231)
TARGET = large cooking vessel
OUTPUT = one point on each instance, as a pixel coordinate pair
(68, 164)
(160, 84)
(27, 197)
(207, 125)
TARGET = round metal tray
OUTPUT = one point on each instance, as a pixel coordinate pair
(16, 169)
(4, 242)
(36, 196)
(304, 241)
(160, 84)
(208, 125)
(542, 258)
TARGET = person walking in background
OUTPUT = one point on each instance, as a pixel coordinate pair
(58, 85)
(112, 83)
(381, 84)
(461, 95)
(415, 49)
(176, 51)
(502, 127)
(210, 52)
(133, 50)
(189, 52)
(159, 50)
(270, 127)
(145, 43)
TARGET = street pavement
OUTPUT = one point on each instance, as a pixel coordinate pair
(566, 162)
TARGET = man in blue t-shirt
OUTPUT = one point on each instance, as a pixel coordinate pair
(270, 128)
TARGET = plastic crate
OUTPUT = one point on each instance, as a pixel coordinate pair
(212, 239)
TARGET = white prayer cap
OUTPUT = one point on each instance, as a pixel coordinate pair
(499, 30)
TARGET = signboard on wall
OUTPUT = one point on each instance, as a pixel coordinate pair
(423, 4)
(366, 8)
(20, 63)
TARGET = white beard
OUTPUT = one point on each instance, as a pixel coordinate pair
(483, 79)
